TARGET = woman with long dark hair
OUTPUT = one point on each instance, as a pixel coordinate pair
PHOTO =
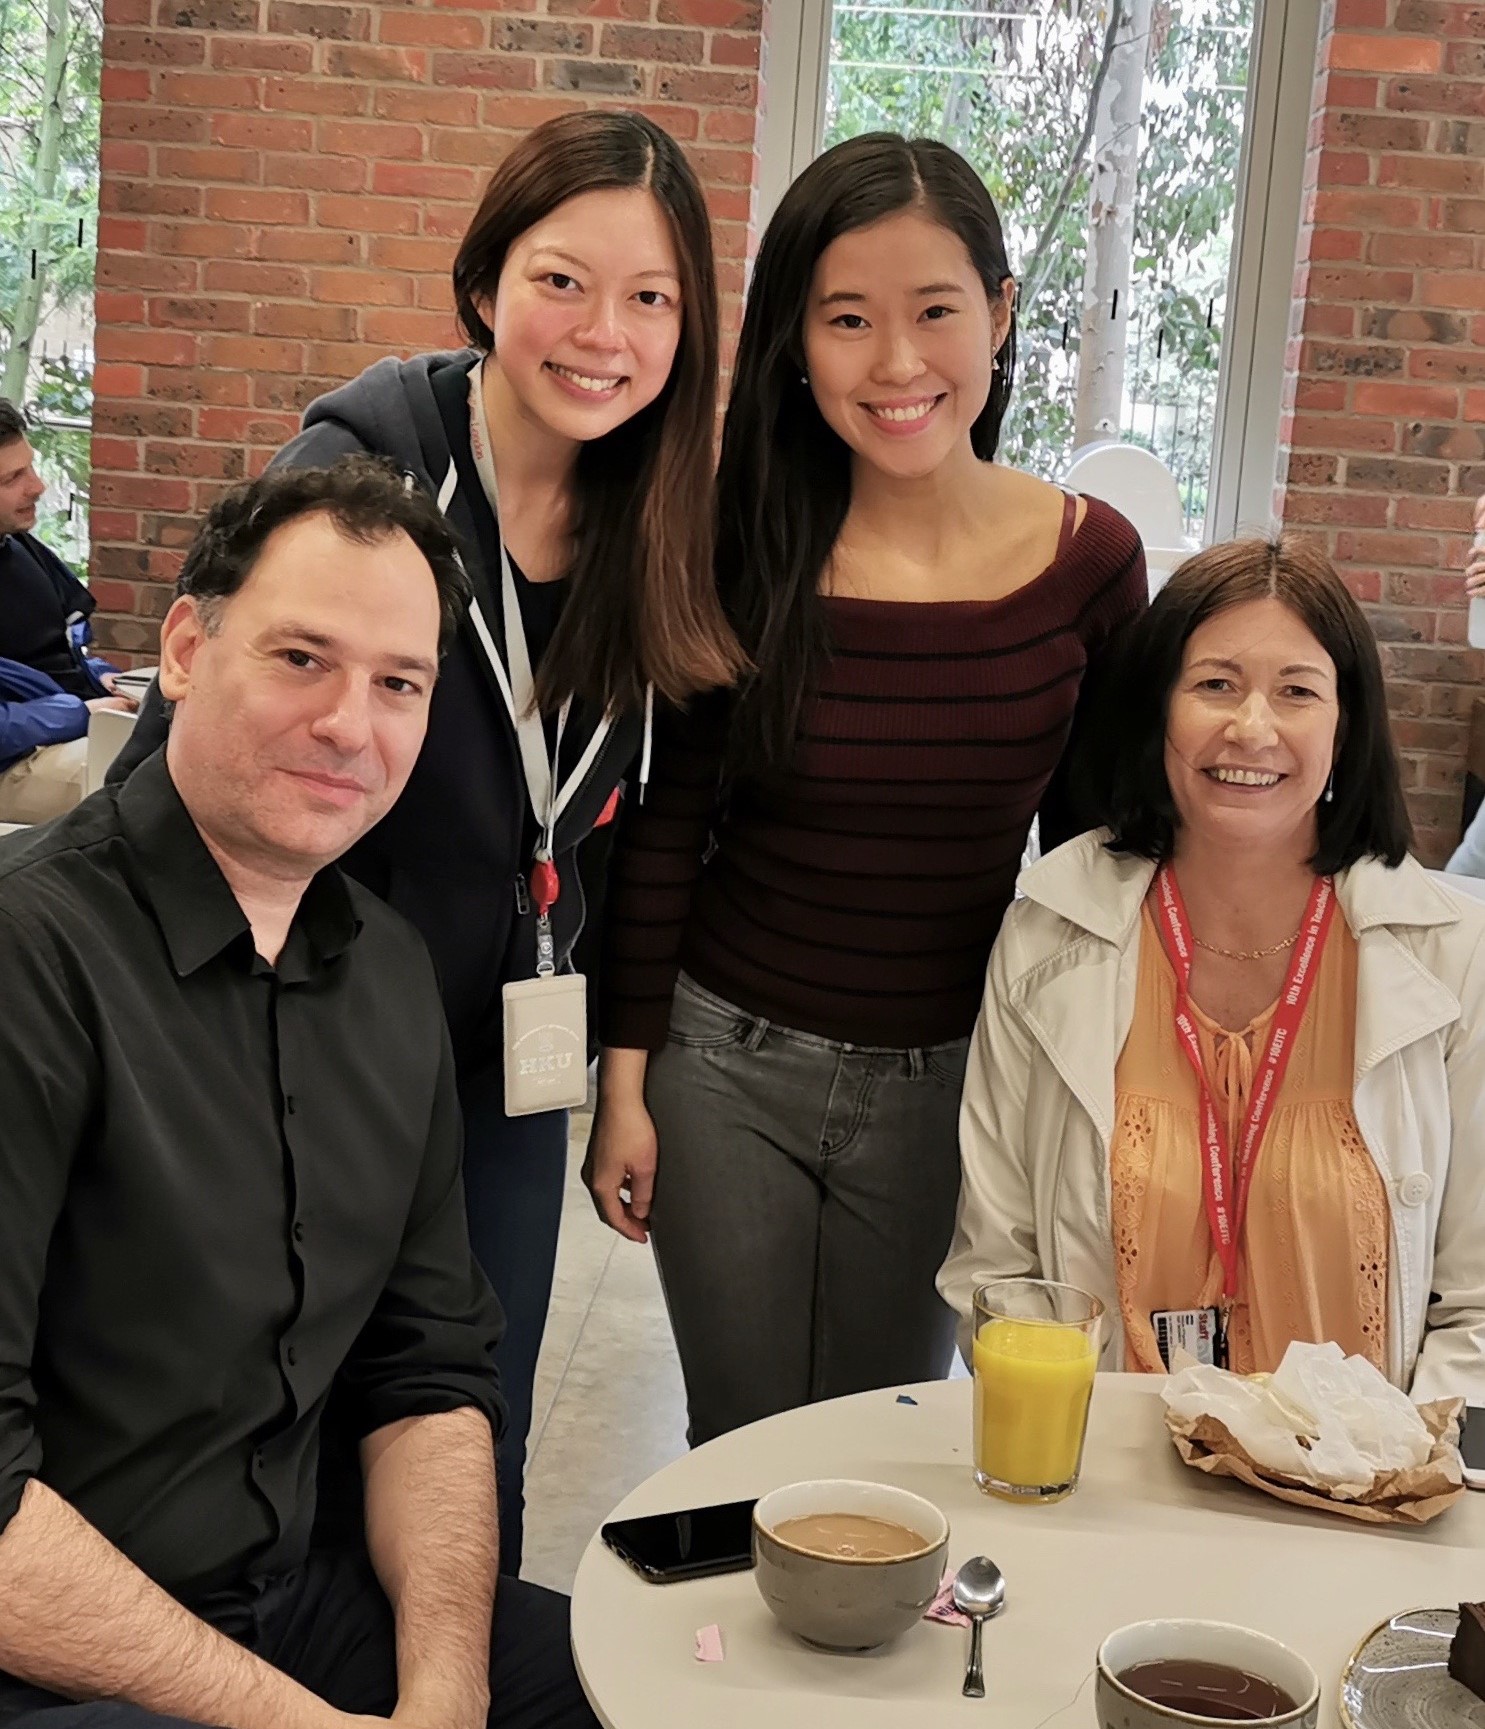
(801, 913)
(587, 395)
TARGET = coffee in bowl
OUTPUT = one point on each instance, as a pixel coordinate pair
(850, 1536)
(1165, 1674)
(847, 1565)
(1208, 1689)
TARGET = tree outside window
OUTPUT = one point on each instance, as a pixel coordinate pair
(1110, 136)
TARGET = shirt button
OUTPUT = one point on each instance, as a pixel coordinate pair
(289, 1103)
(1415, 1188)
(291, 1356)
(258, 1460)
(298, 1232)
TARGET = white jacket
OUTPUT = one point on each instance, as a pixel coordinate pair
(1038, 1110)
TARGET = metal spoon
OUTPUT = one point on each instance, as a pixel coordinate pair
(979, 1592)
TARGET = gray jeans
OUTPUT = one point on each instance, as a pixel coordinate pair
(804, 1201)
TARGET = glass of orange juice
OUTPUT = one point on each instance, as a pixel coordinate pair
(1035, 1353)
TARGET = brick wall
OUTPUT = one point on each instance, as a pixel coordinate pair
(283, 187)
(1384, 413)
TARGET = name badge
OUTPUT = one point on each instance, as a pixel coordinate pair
(546, 1043)
(1197, 1332)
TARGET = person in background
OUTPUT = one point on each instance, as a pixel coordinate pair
(229, 1179)
(586, 287)
(1469, 856)
(1229, 1073)
(48, 685)
(801, 912)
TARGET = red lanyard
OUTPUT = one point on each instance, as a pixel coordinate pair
(1226, 1205)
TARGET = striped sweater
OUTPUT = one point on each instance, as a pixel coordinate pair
(857, 895)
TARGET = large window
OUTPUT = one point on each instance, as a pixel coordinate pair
(50, 52)
(1130, 146)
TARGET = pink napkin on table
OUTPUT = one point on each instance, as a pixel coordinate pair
(942, 1607)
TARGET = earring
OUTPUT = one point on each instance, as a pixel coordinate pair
(994, 367)
(1330, 788)
(804, 378)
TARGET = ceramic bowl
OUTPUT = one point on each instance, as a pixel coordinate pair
(847, 1603)
(1211, 1642)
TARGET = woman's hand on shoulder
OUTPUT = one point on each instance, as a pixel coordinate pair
(623, 1149)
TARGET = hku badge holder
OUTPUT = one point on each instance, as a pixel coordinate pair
(546, 1020)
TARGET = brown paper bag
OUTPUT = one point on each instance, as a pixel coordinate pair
(1410, 1497)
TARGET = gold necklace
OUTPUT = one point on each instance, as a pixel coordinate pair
(1248, 954)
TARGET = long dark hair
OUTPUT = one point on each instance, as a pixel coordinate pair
(643, 605)
(1367, 815)
(784, 483)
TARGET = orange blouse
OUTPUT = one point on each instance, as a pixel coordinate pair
(1313, 1260)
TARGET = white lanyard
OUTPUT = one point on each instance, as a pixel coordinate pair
(518, 685)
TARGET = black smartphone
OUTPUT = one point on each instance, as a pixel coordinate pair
(687, 1545)
(1472, 1446)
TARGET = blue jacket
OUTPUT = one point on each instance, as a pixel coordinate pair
(35, 711)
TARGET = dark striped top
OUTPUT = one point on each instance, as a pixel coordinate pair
(857, 896)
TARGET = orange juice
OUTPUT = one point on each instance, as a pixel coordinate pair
(1033, 1381)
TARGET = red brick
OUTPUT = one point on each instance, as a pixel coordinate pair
(366, 215)
(185, 162)
(735, 50)
(196, 385)
(375, 65)
(713, 14)
(441, 108)
(1361, 14)
(110, 596)
(1320, 319)
(485, 71)
(376, 138)
(123, 156)
(312, 96)
(176, 312)
(1455, 289)
(474, 147)
(312, 323)
(724, 89)
(262, 132)
(640, 42)
(1432, 173)
(520, 113)
(1369, 209)
(436, 294)
(247, 426)
(1342, 432)
(1435, 96)
(111, 378)
(143, 420)
(361, 288)
(152, 48)
(1422, 251)
(117, 234)
(338, 23)
(1384, 53)
(432, 30)
(127, 270)
(1410, 401)
(423, 180)
(1369, 285)
(728, 125)
(393, 252)
(149, 198)
(301, 246)
(408, 328)
(251, 354)
(727, 203)
(211, 90)
(200, 239)
(1353, 509)
(145, 347)
(316, 173)
(194, 461)
(1318, 395)
(121, 84)
(158, 125)
(250, 54)
(1343, 91)
(119, 455)
(240, 15)
(246, 204)
(144, 492)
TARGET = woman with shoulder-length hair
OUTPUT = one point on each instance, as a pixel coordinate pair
(1229, 1074)
(570, 447)
(803, 909)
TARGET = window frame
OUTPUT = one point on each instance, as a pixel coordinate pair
(1250, 381)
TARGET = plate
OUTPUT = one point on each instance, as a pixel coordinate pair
(1398, 1677)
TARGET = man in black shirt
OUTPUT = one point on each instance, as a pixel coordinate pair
(229, 1182)
(48, 686)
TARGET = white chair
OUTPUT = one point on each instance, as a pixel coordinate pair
(108, 731)
(1136, 482)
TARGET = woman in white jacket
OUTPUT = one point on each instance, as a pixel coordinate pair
(1229, 1073)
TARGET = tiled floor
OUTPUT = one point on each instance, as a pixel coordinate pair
(609, 1408)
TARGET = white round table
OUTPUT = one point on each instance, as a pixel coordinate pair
(1143, 1536)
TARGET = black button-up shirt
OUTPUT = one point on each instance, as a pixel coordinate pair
(222, 1185)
